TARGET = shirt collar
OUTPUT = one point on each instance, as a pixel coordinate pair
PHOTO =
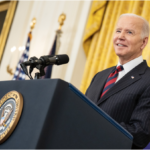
(131, 64)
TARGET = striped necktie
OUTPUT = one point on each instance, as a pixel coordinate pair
(111, 79)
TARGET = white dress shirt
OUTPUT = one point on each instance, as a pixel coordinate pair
(129, 66)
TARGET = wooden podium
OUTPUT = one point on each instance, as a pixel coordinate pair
(57, 116)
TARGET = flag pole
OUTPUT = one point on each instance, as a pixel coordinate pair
(56, 44)
(61, 20)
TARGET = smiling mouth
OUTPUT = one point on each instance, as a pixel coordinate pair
(121, 45)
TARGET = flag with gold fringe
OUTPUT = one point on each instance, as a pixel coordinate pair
(19, 73)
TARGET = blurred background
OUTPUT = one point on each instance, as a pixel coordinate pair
(81, 29)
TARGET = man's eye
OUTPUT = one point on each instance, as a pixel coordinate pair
(129, 32)
(118, 31)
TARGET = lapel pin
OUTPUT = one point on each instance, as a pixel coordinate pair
(132, 77)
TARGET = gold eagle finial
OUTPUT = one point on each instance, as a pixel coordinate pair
(32, 24)
(61, 20)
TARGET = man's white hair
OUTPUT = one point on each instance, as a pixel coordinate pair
(145, 30)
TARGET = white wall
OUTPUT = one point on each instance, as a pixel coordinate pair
(47, 13)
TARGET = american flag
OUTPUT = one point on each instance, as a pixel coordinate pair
(19, 73)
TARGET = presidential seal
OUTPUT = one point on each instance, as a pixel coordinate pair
(10, 110)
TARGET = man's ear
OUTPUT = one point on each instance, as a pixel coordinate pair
(145, 41)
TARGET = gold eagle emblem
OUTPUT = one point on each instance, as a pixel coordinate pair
(10, 109)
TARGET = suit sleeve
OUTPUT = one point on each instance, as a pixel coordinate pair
(139, 124)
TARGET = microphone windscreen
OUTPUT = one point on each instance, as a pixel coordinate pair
(62, 59)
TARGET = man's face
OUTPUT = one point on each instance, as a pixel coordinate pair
(128, 43)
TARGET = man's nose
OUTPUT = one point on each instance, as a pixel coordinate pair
(121, 35)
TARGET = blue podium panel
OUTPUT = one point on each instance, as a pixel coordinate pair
(56, 115)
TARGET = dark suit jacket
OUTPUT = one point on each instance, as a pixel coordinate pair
(128, 101)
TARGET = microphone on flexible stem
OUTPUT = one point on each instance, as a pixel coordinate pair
(44, 61)
(50, 60)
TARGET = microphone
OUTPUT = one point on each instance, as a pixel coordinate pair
(42, 62)
(51, 59)
(47, 60)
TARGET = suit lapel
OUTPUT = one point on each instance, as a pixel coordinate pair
(125, 81)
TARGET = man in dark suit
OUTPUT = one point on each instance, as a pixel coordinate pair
(124, 93)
